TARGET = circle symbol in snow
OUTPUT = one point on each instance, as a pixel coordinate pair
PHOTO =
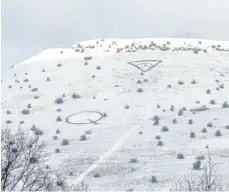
(84, 117)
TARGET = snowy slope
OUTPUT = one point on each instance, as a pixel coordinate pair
(106, 83)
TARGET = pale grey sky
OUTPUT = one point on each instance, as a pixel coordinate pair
(30, 26)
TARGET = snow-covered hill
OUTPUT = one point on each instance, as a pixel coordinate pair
(109, 91)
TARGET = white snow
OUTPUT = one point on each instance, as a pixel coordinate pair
(115, 139)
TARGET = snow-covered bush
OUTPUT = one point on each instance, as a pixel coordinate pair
(180, 156)
(25, 111)
(83, 138)
(139, 90)
(190, 121)
(209, 124)
(158, 137)
(212, 102)
(164, 129)
(225, 105)
(38, 131)
(204, 130)
(218, 133)
(75, 96)
(65, 142)
(59, 100)
(192, 135)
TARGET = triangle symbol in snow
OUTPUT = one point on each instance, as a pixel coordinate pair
(145, 65)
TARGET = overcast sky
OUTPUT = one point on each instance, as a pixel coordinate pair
(30, 26)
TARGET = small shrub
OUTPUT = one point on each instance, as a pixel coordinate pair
(59, 110)
(193, 81)
(25, 111)
(204, 130)
(36, 97)
(43, 70)
(192, 135)
(139, 90)
(127, 106)
(212, 102)
(71, 173)
(221, 86)
(180, 156)
(209, 125)
(8, 112)
(158, 106)
(59, 101)
(180, 112)
(156, 122)
(196, 165)
(83, 138)
(180, 82)
(174, 121)
(98, 67)
(201, 108)
(196, 51)
(29, 106)
(26, 80)
(88, 132)
(145, 80)
(59, 119)
(158, 137)
(208, 91)
(133, 160)
(8, 121)
(164, 110)
(164, 129)
(88, 58)
(190, 121)
(33, 127)
(57, 150)
(38, 131)
(153, 179)
(140, 132)
(225, 105)
(97, 175)
(63, 95)
(218, 133)
(93, 76)
(21, 122)
(59, 65)
(34, 89)
(160, 143)
(139, 81)
(10, 86)
(55, 137)
(65, 142)
(48, 79)
(227, 127)
(172, 108)
(57, 131)
(169, 86)
(75, 96)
